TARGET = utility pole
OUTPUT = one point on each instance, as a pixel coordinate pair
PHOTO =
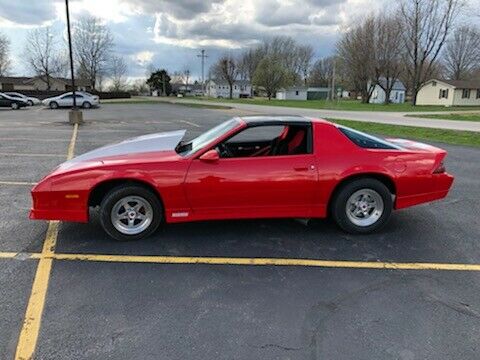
(74, 116)
(203, 56)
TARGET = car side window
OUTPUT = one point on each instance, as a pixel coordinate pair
(267, 140)
(67, 97)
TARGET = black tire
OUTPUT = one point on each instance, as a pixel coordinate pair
(53, 105)
(30, 103)
(339, 205)
(14, 106)
(86, 105)
(121, 192)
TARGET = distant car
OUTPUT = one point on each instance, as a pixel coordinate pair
(84, 100)
(30, 100)
(251, 167)
(14, 103)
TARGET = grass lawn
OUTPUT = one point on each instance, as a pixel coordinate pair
(353, 105)
(458, 117)
(456, 137)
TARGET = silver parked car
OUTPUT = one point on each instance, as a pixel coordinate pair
(83, 99)
(28, 99)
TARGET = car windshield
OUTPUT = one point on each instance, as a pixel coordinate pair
(187, 148)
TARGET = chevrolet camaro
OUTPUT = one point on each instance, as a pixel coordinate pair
(250, 167)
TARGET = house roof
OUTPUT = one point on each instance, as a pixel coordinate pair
(78, 82)
(22, 80)
(237, 82)
(398, 85)
(15, 80)
(461, 84)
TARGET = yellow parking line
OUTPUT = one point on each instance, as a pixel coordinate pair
(27, 340)
(34, 155)
(154, 259)
(21, 183)
(265, 262)
(33, 315)
(71, 146)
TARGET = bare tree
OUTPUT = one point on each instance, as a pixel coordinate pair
(226, 69)
(321, 72)
(462, 53)
(4, 55)
(356, 51)
(43, 55)
(248, 63)
(305, 56)
(118, 71)
(93, 43)
(426, 25)
(271, 75)
(388, 53)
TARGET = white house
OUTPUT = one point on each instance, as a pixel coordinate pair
(302, 93)
(450, 93)
(220, 89)
(397, 95)
(292, 93)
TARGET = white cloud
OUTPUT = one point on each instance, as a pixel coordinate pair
(143, 58)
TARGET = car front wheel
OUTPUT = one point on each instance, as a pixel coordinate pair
(362, 206)
(53, 105)
(130, 213)
(30, 103)
(87, 105)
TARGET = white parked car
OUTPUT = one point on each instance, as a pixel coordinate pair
(83, 99)
(29, 99)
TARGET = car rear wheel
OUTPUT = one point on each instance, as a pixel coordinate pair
(53, 105)
(130, 213)
(15, 106)
(30, 103)
(362, 206)
(87, 105)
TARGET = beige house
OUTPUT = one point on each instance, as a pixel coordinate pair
(19, 83)
(450, 93)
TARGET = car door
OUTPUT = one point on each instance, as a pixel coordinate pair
(4, 101)
(66, 100)
(263, 185)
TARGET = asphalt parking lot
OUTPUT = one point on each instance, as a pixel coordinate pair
(263, 289)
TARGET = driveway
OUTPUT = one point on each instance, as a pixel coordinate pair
(392, 118)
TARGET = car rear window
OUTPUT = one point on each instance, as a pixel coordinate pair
(367, 141)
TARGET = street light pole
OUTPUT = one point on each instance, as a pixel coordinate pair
(203, 56)
(75, 116)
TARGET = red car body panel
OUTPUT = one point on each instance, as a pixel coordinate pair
(250, 187)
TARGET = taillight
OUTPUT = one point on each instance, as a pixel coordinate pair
(440, 169)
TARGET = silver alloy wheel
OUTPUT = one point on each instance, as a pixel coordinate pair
(364, 207)
(14, 106)
(131, 215)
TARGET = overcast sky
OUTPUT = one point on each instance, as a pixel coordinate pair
(169, 33)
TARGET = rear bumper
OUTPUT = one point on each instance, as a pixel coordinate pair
(441, 184)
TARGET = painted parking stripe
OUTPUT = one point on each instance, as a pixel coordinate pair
(17, 183)
(32, 155)
(153, 259)
(31, 139)
(190, 123)
(28, 337)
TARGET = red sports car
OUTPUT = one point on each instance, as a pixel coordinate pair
(251, 167)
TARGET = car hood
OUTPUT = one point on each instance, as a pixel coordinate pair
(165, 141)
